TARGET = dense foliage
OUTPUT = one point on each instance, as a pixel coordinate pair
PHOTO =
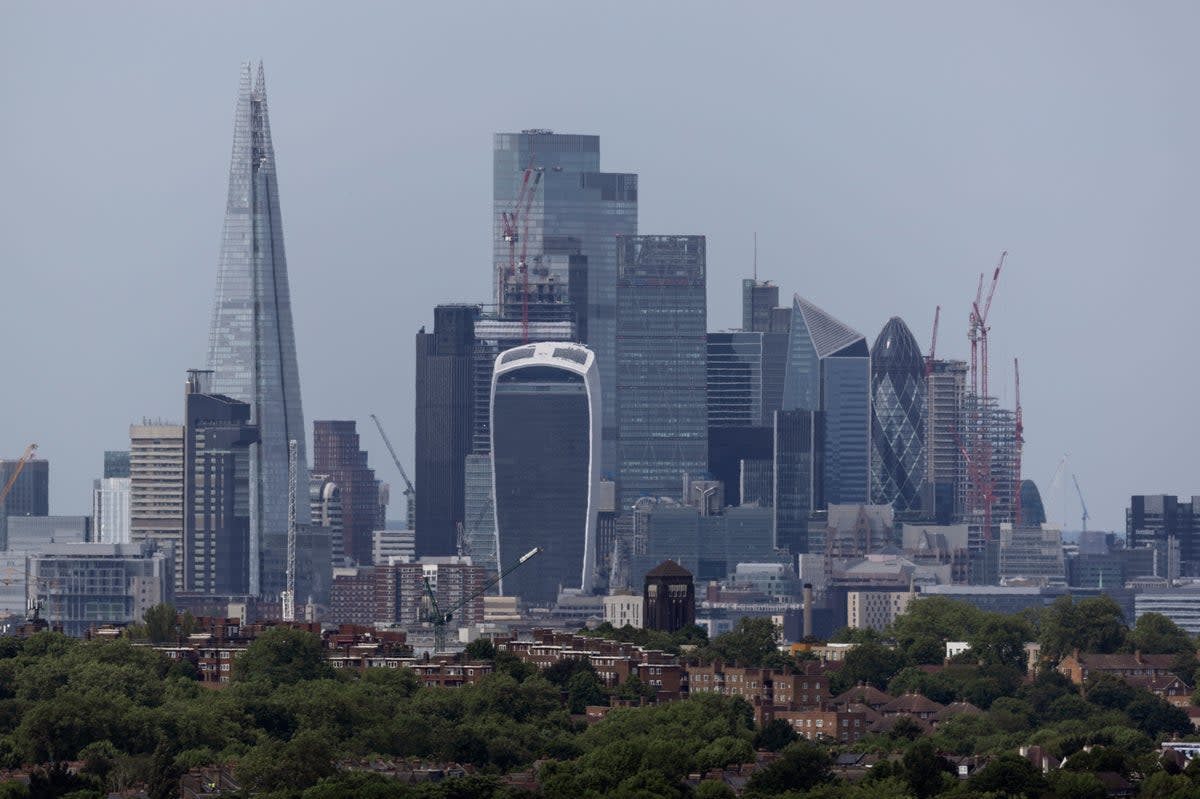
(290, 723)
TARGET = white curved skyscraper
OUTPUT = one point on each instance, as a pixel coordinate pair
(546, 422)
(252, 347)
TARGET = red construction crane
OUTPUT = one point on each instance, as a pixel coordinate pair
(1019, 443)
(977, 332)
(30, 451)
(516, 228)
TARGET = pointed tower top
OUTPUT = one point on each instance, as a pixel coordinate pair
(829, 335)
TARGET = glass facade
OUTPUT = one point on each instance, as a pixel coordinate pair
(218, 439)
(898, 423)
(661, 372)
(799, 466)
(545, 427)
(444, 408)
(829, 370)
(336, 453)
(577, 209)
(116, 463)
(252, 345)
(945, 392)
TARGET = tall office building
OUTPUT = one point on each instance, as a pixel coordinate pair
(744, 389)
(252, 346)
(545, 436)
(575, 210)
(111, 510)
(217, 441)
(110, 500)
(30, 494)
(495, 333)
(336, 453)
(759, 300)
(661, 373)
(156, 506)
(444, 409)
(945, 391)
(898, 423)
(829, 370)
(1160, 520)
(799, 467)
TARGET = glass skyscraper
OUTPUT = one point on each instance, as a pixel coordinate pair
(576, 210)
(661, 373)
(252, 346)
(829, 370)
(217, 441)
(898, 423)
(545, 427)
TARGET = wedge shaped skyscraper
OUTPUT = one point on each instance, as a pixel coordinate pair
(829, 370)
(898, 422)
(252, 347)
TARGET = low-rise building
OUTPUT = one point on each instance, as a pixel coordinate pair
(1079, 667)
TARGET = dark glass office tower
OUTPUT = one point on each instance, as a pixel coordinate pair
(661, 373)
(444, 407)
(1163, 521)
(218, 438)
(336, 453)
(30, 494)
(744, 389)
(577, 209)
(799, 444)
(829, 370)
(759, 300)
(252, 346)
(545, 431)
(898, 423)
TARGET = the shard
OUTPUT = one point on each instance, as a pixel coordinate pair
(252, 347)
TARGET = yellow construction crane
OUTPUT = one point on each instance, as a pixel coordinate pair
(30, 451)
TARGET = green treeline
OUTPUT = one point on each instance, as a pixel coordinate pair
(288, 719)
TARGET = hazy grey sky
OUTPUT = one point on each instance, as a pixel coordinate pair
(884, 152)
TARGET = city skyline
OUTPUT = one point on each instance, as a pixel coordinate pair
(971, 191)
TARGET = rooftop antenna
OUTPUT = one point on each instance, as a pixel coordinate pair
(756, 256)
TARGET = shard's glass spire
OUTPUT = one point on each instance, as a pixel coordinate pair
(252, 348)
(898, 418)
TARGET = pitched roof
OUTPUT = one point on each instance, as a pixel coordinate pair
(912, 703)
(886, 723)
(956, 709)
(668, 568)
(1124, 662)
(862, 694)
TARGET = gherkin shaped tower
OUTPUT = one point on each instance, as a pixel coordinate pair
(252, 346)
(897, 418)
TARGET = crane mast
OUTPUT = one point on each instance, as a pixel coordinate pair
(515, 226)
(440, 620)
(1082, 504)
(1019, 443)
(410, 493)
(929, 422)
(983, 492)
(289, 593)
